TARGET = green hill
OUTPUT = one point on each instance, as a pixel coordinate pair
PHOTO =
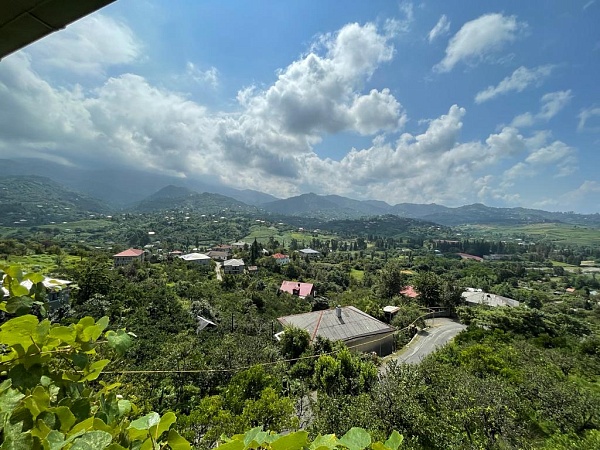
(31, 200)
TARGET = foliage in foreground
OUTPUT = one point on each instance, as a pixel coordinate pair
(354, 439)
(47, 396)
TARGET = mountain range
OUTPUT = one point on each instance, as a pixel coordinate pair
(32, 200)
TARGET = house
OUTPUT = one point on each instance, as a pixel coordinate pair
(309, 253)
(218, 256)
(197, 258)
(409, 291)
(58, 291)
(239, 245)
(478, 297)
(233, 266)
(222, 248)
(358, 330)
(281, 259)
(302, 290)
(128, 257)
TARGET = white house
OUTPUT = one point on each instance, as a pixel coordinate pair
(197, 258)
(233, 266)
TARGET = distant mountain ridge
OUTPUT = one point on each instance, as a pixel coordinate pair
(172, 198)
(35, 200)
(121, 187)
(333, 207)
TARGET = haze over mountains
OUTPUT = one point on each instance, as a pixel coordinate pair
(31, 200)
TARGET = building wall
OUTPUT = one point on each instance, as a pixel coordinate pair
(382, 344)
(233, 269)
(124, 260)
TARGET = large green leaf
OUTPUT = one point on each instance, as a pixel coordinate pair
(356, 439)
(176, 442)
(394, 441)
(65, 334)
(19, 331)
(145, 422)
(120, 341)
(329, 441)
(20, 304)
(92, 440)
(292, 441)
(165, 423)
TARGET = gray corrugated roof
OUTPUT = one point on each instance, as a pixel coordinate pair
(353, 324)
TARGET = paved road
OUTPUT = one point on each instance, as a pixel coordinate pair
(439, 332)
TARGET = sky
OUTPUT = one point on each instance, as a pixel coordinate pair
(447, 102)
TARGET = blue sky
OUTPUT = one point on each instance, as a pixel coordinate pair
(449, 102)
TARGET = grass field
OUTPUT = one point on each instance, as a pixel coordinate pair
(561, 264)
(262, 234)
(559, 233)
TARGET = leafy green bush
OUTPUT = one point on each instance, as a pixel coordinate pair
(48, 398)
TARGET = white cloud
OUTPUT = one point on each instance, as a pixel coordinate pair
(582, 199)
(586, 115)
(321, 93)
(268, 142)
(209, 76)
(88, 46)
(518, 81)
(441, 28)
(478, 38)
(551, 104)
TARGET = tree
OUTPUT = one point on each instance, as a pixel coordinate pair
(47, 399)
(429, 287)
(391, 280)
(294, 342)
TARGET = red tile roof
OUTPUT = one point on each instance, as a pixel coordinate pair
(280, 256)
(131, 252)
(467, 256)
(289, 286)
(409, 291)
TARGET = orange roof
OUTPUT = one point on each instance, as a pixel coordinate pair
(280, 256)
(131, 252)
(409, 291)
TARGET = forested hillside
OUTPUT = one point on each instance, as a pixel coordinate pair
(523, 377)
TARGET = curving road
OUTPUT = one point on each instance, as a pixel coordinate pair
(439, 332)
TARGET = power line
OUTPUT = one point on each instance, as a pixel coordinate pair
(264, 364)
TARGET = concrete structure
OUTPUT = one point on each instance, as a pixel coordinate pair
(239, 245)
(358, 330)
(302, 290)
(233, 266)
(309, 253)
(128, 257)
(478, 297)
(197, 258)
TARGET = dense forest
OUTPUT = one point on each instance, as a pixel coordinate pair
(128, 362)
